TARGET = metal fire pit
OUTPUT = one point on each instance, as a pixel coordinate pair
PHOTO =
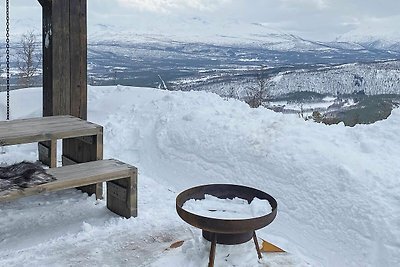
(226, 231)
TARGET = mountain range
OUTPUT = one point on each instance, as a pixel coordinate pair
(240, 33)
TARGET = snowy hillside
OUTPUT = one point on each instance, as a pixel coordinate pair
(337, 187)
(373, 79)
(370, 78)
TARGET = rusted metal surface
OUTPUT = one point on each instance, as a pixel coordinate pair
(224, 226)
(256, 244)
(226, 231)
(212, 251)
(229, 239)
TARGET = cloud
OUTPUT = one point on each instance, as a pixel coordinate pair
(314, 4)
(171, 5)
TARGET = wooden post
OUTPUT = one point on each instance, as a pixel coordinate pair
(45, 148)
(122, 195)
(64, 57)
(65, 74)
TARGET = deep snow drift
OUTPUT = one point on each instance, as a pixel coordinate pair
(337, 187)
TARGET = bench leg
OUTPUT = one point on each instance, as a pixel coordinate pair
(48, 153)
(78, 150)
(122, 195)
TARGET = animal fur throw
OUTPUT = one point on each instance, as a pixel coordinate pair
(22, 175)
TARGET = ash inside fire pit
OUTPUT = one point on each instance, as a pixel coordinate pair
(234, 209)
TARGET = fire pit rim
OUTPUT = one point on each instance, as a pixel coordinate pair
(226, 226)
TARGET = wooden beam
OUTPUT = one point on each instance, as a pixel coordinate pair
(61, 58)
(47, 46)
(78, 57)
(64, 57)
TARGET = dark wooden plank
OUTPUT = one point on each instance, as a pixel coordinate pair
(47, 47)
(122, 200)
(48, 153)
(61, 58)
(78, 57)
(44, 152)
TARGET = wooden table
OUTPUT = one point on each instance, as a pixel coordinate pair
(82, 140)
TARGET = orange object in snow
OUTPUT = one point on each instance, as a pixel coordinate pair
(268, 247)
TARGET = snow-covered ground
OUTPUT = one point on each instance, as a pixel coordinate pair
(337, 187)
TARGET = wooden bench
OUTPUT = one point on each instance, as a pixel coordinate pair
(51, 129)
(121, 181)
(82, 140)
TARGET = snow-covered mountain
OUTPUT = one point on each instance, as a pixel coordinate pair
(233, 22)
(375, 33)
(150, 28)
(239, 33)
(197, 30)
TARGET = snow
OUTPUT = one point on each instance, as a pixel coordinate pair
(215, 30)
(337, 187)
(378, 32)
(235, 209)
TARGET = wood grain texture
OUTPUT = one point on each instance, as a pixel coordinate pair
(64, 69)
(78, 57)
(64, 57)
(77, 175)
(122, 194)
(47, 62)
(45, 129)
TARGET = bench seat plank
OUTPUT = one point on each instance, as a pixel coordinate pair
(87, 173)
(45, 128)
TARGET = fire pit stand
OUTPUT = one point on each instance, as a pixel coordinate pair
(226, 231)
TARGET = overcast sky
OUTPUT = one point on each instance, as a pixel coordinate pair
(314, 19)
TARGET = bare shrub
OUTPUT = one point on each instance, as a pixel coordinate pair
(28, 60)
(259, 93)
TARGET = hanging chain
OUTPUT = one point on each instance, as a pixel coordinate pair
(8, 56)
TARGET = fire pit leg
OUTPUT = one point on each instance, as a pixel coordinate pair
(257, 246)
(212, 251)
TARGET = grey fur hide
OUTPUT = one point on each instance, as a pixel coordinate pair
(22, 175)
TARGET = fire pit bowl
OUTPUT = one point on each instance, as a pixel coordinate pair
(226, 231)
